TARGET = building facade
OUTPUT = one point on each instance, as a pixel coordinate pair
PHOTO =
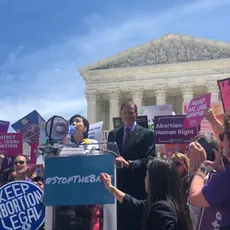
(172, 69)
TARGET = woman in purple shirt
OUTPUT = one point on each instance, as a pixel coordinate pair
(216, 193)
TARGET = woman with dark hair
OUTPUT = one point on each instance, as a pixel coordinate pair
(165, 205)
(80, 136)
(83, 217)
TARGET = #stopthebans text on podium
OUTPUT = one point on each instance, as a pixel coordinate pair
(72, 178)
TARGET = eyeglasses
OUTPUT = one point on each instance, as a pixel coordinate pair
(19, 162)
(177, 164)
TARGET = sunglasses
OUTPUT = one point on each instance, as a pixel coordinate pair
(19, 162)
(177, 164)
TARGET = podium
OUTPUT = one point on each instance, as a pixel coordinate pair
(72, 179)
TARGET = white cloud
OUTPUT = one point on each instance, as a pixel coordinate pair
(44, 106)
(48, 80)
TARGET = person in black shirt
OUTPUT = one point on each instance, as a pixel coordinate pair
(165, 205)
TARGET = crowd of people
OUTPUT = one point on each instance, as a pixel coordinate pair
(153, 191)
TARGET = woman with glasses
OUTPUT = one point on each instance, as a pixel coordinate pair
(182, 164)
(21, 168)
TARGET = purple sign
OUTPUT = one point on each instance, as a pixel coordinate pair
(169, 130)
(209, 217)
(4, 125)
(29, 127)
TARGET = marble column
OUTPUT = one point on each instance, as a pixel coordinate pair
(212, 87)
(104, 106)
(137, 95)
(160, 92)
(114, 96)
(91, 97)
(187, 90)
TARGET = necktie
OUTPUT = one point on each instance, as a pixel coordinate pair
(127, 135)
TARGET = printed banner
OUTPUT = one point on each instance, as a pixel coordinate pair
(11, 144)
(169, 130)
(205, 126)
(4, 126)
(29, 126)
(75, 180)
(21, 206)
(196, 108)
(209, 217)
(154, 110)
(224, 87)
(95, 131)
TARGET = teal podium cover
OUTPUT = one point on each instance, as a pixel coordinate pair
(75, 180)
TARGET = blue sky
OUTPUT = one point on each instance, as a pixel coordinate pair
(43, 42)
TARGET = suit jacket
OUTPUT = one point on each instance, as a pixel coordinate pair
(139, 149)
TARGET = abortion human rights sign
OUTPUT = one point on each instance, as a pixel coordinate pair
(169, 130)
(78, 178)
(11, 144)
(195, 112)
(21, 207)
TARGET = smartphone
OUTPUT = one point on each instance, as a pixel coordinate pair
(208, 148)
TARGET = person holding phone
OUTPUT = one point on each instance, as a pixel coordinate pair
(216, 192)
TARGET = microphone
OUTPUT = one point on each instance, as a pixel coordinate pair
(72, 130)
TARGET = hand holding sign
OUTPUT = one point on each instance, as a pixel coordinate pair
(106, 178)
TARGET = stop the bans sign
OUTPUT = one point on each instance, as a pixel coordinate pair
(21, 206)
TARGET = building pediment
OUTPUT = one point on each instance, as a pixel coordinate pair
(171, 48)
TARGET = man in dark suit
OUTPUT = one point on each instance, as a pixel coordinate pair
(136, 147)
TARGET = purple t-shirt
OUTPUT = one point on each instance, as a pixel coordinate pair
(217, 193)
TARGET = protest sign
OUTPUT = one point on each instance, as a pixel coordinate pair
(11, 144)
(154, 110)
(169, 130)
(95, 131)
(196, 108)
(29, 127)
(4, 125)
(209, 217)
(224, 87)
(21, 206)
(78, 178)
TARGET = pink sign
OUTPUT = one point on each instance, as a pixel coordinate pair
(11, 144)
(195, 112)
(224, 86)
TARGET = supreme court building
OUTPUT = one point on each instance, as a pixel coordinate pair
(169, 70)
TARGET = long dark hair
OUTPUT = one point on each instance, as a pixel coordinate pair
(165, 185)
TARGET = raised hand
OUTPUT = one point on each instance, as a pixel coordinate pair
(197, 153)
(106, 178)
(218, 163)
